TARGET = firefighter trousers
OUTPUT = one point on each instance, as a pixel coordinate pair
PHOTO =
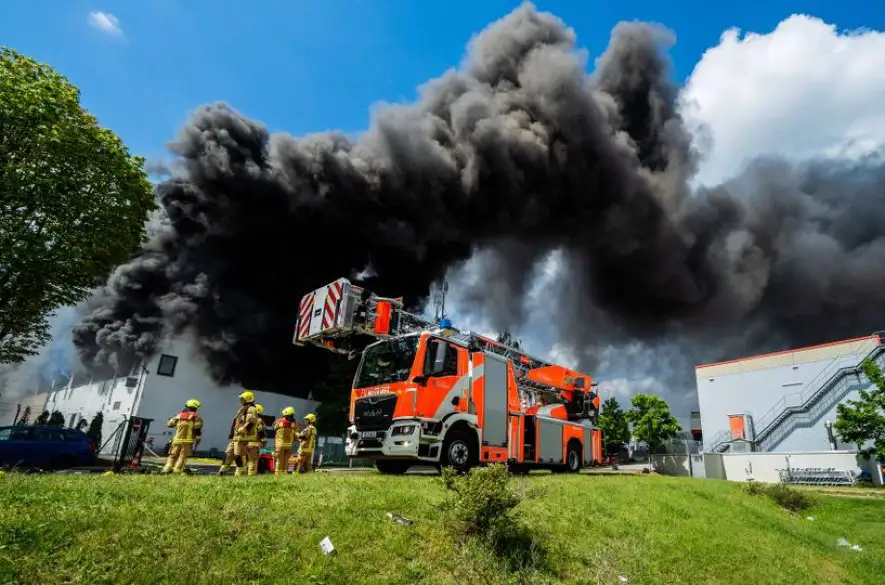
(305, 462)
(246, 457)
(178, 454)
(281, 460)
(228, 458)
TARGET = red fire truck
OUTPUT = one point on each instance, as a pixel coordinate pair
(428, 394)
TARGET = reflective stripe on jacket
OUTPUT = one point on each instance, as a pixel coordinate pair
(308, 439)
(284, 433)
(188, 427)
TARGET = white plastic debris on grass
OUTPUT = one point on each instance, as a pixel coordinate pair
(854, 547)
(327, 546)
(809, 517)
(400, 519)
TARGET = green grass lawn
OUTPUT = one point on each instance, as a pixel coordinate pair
(228, 530)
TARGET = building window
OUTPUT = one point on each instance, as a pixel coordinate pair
(167, 365)
(116, 406)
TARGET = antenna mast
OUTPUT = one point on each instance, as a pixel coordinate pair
(441, 302)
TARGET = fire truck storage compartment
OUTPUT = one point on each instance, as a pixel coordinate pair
(531, 438)
(494, 401)
(550, 447)
(588, 445)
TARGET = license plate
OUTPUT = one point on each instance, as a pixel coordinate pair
(369, 434)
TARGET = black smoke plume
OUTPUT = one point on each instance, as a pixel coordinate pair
(517, 153)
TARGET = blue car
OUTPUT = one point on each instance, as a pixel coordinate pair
(45, 447)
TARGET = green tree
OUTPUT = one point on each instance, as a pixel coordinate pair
(333, 392)
(862, 422)
(615, 427)
(652, 421)
(57, 419)
(23, 420)
(94, 431)
(73, 201)
(43, 418)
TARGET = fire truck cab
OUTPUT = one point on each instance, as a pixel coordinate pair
(429, 394)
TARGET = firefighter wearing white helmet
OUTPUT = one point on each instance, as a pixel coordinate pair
(188, 427)
(284, 428)
(245, 431)
(308, 443)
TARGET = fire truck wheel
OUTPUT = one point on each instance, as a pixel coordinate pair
(388, 467)
(459, 451)
(573, 459)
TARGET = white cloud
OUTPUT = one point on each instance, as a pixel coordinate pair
(106, 22)
(805, 89)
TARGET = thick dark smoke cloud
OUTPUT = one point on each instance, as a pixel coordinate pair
(517, 153)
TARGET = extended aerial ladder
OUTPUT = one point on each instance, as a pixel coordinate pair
(344, 318)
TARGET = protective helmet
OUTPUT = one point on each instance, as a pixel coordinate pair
(247, 396)
(288, 411)
(311, 417)
(259, 409)
(192, 403)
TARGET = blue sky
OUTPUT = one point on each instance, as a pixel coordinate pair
(306, 66)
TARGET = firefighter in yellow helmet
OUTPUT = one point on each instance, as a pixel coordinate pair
(260, 441)
(284, 428)
(188, 427)
(245, 432)
(308, 443)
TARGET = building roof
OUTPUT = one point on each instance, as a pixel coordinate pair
(791, 356)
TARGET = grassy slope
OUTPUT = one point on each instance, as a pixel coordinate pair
(149, 529)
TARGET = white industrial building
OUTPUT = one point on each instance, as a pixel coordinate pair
(782, 402)
(157, 389)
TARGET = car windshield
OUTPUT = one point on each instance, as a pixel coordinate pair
(390, 361)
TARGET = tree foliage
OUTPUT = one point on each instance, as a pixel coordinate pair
(94, 431)
(26, 414)
(333, 392)
(57, 419)
(652, 421)
(862, 422)
(615, 427)
(43, 418)
(73, 201)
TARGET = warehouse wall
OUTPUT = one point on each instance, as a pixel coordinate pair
(159, 397)
(110, 397)
(763, 467)
(8, 409)
(165, 396)
(755, 385)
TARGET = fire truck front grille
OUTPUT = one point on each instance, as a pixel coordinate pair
(374, 413)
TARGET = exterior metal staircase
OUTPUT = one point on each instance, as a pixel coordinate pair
(817, 397)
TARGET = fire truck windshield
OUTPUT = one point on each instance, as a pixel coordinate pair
(386, 362)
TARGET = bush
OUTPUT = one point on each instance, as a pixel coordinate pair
(786, 497)
(482, 502)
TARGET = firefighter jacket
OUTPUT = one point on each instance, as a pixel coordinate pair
(260, 434)
(308, 439)
(188, 427)
(246, 424)
(284, 433)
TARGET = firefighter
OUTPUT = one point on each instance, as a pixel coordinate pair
(284, 428)
(188, 427)
(245, 432)
(260, 441)
(308, 442)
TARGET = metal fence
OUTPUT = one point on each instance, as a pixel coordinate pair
(817, 476)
